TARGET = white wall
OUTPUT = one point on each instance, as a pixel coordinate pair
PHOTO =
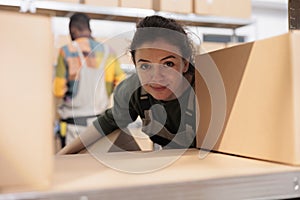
(270, 19)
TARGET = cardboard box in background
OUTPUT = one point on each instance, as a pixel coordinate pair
(224, 8)
(206, 47)
(105, 3)
(26, 126)
(262, 82)
(177, 6)
(145, 4)
(69, 1)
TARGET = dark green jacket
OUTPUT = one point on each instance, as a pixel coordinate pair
(130, 101)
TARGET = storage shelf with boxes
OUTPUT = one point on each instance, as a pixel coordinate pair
(128, 14)
(196, 13)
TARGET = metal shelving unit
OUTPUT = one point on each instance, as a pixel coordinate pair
(61, 9)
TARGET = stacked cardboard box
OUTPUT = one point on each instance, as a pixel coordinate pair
(177, 6)
(69, 1)
(145, 4)
(105, 3)
(223, 8)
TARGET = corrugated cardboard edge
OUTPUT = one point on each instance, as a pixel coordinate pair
(295, 59)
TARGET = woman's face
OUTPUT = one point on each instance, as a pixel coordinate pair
(160, 67)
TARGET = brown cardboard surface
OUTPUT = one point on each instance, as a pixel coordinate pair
(105, 3)
(145, 4)
(83, 173)
(226, 8)
(26, 139)
(262, 99)
(68, 1)
(232, 44)
(177, 6)
(206, 47)
(212, 167)
(295, 62)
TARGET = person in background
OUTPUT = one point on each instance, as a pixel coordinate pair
(161, 92)
(86, 73)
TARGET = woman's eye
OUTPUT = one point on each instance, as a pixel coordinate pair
(145, 66)
(169, 64)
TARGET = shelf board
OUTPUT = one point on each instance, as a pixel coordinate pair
(62, 9)
(190, 177)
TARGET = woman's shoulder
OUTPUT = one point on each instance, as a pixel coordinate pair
(129, 85)
(130, 81)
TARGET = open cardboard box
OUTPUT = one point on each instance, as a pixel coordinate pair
(262, 85)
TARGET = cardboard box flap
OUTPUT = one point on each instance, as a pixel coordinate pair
(260, 117)
(231, 71)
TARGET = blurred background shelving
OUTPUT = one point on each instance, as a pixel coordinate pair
(265, 18)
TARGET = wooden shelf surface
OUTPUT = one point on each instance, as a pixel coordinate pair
(188, 177)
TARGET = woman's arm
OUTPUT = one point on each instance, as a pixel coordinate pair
(119, 116)
(88, 137)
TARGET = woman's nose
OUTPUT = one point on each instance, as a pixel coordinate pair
(157, 72)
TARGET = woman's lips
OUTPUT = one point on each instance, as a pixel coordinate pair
(158, 87)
